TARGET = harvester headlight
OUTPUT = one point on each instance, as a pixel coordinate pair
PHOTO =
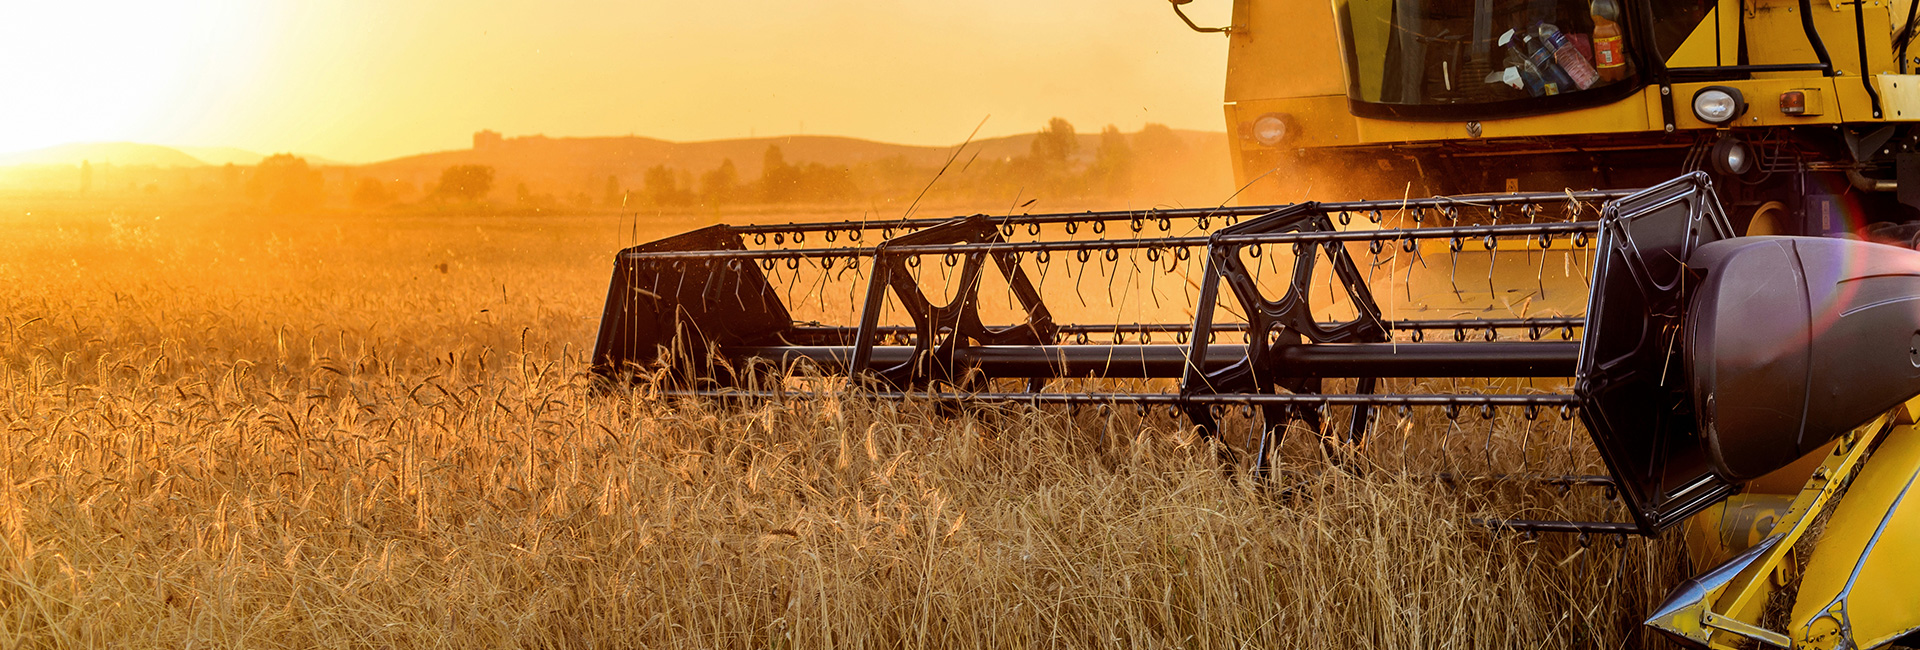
(1718, 104)
(1732, 156)
(1271, 129)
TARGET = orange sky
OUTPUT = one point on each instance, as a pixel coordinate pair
(363, 80)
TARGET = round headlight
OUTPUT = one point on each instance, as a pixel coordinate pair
(1270, 129)
(1732, 156)
(1718, 104)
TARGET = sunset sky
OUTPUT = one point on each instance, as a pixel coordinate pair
(364, 80)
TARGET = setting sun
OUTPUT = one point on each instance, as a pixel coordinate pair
(124, 70)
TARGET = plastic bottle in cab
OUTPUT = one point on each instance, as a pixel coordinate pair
(1609, 54)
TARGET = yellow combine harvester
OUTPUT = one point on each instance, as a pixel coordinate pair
(1744, 363)
(1801, 113)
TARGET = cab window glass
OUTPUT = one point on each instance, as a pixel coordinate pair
(1673, 22)
(1466, 52)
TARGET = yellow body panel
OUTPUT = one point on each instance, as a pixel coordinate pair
(1763, 101)
(1728, 35)
(1734, 525)
(1900, 96)
(1726, 613)
(1325, 121)
(1622, 116)
(1288, 48)
(1320, 121)
(1862, 574)
(1703, 47)
(1864, 562)
(1748, 598)
(1774, 36)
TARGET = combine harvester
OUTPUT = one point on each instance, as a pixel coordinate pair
(1730, 336)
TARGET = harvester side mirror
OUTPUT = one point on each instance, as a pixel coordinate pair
(1191, 25)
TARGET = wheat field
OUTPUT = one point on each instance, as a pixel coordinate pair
(223, 429)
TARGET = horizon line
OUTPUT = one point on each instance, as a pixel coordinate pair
(331, 160)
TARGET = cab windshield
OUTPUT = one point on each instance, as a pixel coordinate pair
(1465, 59)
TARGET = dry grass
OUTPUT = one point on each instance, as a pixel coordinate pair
(295, 435)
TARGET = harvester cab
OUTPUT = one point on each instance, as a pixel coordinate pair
(1800, 110)
(1712, 315)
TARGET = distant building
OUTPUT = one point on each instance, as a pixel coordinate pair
(486, 139)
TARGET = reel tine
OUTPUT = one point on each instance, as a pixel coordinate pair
(1493, 260)
(1112, 255)
(1486, 415)
(1153, 281)
(1419, 259)
(1080, 254)
(1453, 271)
(1539, 275)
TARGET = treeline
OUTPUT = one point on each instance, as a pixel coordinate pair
(283, 182)
(278, 181)
(1056, 165)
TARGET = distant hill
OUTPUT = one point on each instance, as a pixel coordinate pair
(544, 161)
(1166, 164)
(135, 154)
(223, 155)
(117, 153)
(585, 163)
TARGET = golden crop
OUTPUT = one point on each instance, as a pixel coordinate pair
(379, 432)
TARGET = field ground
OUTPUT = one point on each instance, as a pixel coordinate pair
(223, 429)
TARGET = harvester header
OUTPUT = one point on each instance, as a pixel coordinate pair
(1701, 360)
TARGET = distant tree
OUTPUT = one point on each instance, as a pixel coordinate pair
(779, 182)
(823, 183)
(1165, 162)
(285, 182)
(527, 199)
(665, 187)
(370, 192)
(1112, 170)
(465, 182)
(1056, 144)
(774, 159)
(660, 184)
(1156, 141)
(721, 185)
(897, 173)
(686, 183)
(86, 176)
(613, 196)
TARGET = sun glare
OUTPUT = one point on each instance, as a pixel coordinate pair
(118, 69)
(369, 80)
